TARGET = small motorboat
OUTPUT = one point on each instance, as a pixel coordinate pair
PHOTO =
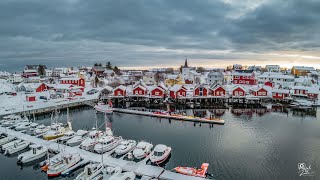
(104, 108)
(160, 154)
(61, 164)
(23, 126)
(142, 150)
(193, 171)
(6, 140)
(77, 139)
(35, 153)
(108, 172)
(68, 135)
(125, 147)
(90, 171)
(107, 143)
(9, 144)
(89, 142)
(17, 147)
(13, 124)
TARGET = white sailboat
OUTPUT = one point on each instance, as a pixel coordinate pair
(104, 108)
(107, 143)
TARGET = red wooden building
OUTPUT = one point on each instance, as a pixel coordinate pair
(139, 90)
(260, 91)
(30, 98)
(218, 91)
(244, 78)
(280, 93)
(120, 91)
(201, 90)
(178, 91)
(238, 91)
(304, 91)
(73, 81)
(35, 87)
(158, 91)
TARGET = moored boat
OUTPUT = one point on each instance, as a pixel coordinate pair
(107, 143)
(77, 139)
(160, 154)
(125, 147)
(7, 139)
(193, 171)
(89, 142)
(35, 153)
(90, 171)
(104, 108)
(17, 147)
(61, 164)
(142, 150)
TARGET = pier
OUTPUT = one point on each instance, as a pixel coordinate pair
(139, 168)
(179, 117)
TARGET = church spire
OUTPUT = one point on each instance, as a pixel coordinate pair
(186, 63)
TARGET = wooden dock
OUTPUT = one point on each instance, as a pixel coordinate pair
(183, 118)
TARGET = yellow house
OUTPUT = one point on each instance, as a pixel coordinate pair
(301, 70)
(173, 80)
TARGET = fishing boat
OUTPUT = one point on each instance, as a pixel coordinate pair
(7, 139)
(77, 139)
(107, 143)
(35, 153)
(125, 147)
(62, 163)
(17, 147)
(142, 150)
(90, 171)
(193, 171)
(89, 142)
(160, 154)
(104, 108)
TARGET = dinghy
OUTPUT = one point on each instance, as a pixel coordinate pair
(193, 171)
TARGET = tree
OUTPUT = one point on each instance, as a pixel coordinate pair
(41, 70)
(169, 70)
(108, 65)
(200, 69)
(180, 69)
(116, 70)
(97, 64)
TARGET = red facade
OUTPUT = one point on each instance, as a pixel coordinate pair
(158, 92)
(31, 98)
(238, 92)
(260, 92)
(74, 81)
(300, 91)
(42, 87)
(219, 91)
(179, 93)
(119, 92)
(278, 95)
(201, 91)
(244, 79)
(312, 96)
(139, 91)
(268, 83)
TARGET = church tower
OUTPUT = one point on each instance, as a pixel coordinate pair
(185, 71)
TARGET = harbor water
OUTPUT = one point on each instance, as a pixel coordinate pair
(253, 143)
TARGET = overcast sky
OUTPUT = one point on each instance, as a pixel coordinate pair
(149, 33)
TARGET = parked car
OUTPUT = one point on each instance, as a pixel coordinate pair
(43, 97)
(92, 91)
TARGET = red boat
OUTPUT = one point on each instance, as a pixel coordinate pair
(193, 171)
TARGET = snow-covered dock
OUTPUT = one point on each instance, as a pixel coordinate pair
(183, 118)
(137, 168)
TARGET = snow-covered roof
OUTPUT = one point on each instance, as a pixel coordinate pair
(69, 78)
(32, 85)
(172, 76)
(313, 89)
(122, 87)
(213, 73)
(238, 86)
(284, 91)
(277, 75)
(176, 87)
(236, 73)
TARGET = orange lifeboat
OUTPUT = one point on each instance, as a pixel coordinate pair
(193, 171)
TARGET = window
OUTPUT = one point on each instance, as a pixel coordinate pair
(221, 92)
(240, 93)
(157, 93)
(235, 81)
(218, 93)
(140, 92)
(247, 82)
(236, 77)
